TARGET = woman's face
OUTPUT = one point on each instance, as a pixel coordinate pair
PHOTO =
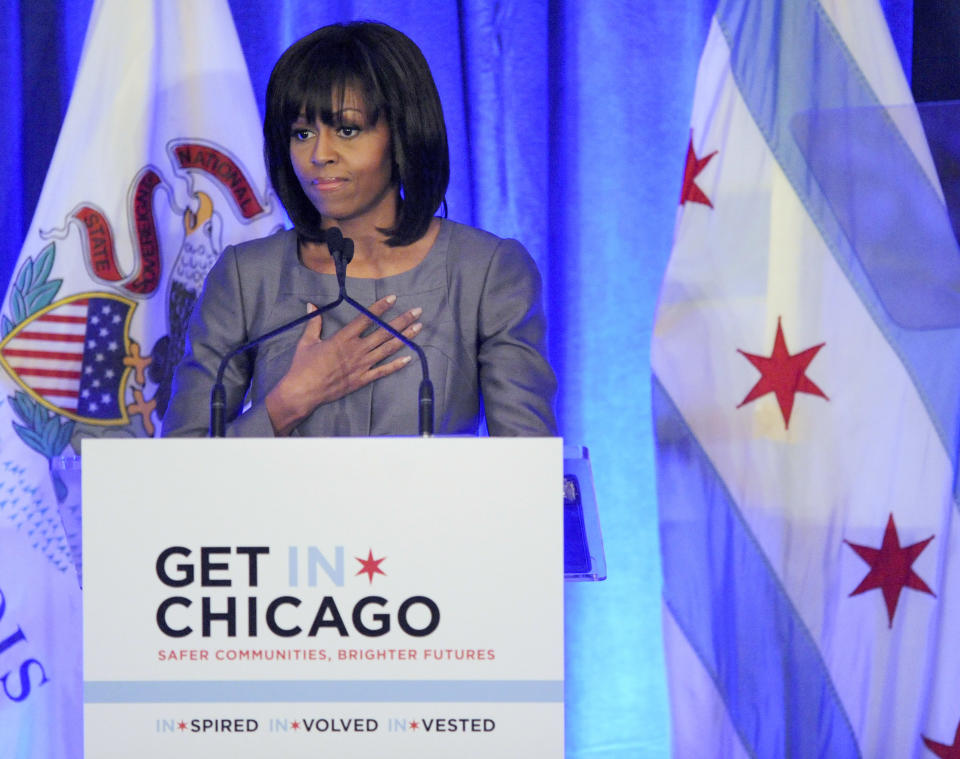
(345, 168)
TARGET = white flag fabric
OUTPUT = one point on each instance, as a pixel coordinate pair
(158, 167)
(805, 397)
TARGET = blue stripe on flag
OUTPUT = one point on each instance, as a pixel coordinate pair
(322, 691)
(733, 610)
(873, 205)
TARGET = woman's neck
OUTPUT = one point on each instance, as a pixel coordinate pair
(372, 257)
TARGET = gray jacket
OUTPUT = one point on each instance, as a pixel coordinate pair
(483, 334)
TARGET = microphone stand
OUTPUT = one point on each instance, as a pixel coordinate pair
(342, 251)
(341, 248)
(218, 396)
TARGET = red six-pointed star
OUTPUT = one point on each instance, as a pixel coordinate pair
(690, 192)
(943, 751)
(782, 374)
(370, 566)
(890, 568)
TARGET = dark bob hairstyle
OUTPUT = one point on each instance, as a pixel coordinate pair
(388, 70)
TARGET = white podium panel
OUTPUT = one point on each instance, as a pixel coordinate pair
(323, 597)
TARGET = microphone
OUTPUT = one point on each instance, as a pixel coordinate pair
(342, 251)
(341, 248)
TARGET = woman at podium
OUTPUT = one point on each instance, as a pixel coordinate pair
(355, 139)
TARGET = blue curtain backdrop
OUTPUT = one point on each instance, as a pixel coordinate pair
(569, 125)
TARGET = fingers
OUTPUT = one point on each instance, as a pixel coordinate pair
(381, 344)
(392, 345)
(403, 321)
(360, 323)
(312, 331)
(382, 370)
(400, 323)
(356, 328)
(383, 305)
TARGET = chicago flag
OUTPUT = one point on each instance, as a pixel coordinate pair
(805, 397)
(158, 167)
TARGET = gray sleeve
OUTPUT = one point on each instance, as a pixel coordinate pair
(217, 326)
(516, 381)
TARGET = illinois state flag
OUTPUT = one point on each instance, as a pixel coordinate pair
(157, 168)
(806, 353)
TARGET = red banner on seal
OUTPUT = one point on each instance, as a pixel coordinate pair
(148, 244)
(196, 156)
(99, 239)
(101, 251)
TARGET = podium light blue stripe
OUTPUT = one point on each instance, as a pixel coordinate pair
(322, 691)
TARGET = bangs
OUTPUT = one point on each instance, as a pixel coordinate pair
(321, 80)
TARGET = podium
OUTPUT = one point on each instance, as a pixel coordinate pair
(345, 597)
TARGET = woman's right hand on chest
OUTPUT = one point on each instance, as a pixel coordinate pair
(325, 370)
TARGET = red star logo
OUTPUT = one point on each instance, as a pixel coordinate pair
(414, 725)
(890, 568)
(295, 725)
(690, 191)
(181, 725)
(945, 752)
(370, 566)
(782, 374)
